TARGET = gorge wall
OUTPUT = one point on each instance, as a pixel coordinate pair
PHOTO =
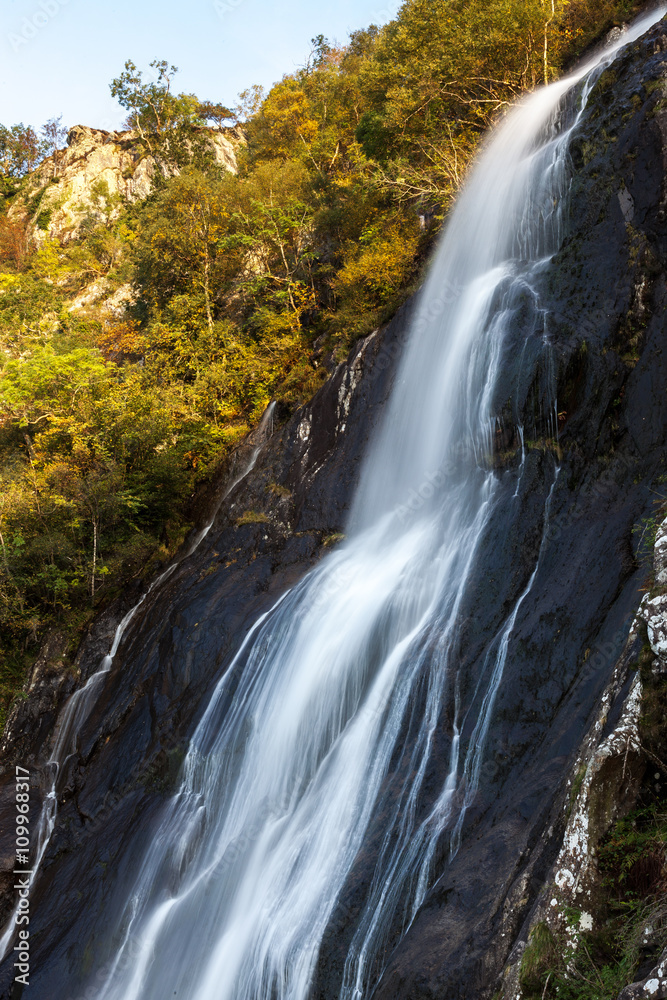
(571, 680)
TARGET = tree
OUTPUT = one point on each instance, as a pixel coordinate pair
(55, 138)
(179, 249)
(318, 54)
(249, 103)
(20, 150)
(216, 113)
(167, 123)
(272, 228)
(284, 126)
(583, 21)
(14, 241)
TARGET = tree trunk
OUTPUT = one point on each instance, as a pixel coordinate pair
(9, 572)
(31, 450)
(92, 584)
(207, 296)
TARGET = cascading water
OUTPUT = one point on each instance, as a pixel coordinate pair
(79, 706)
(279, 789)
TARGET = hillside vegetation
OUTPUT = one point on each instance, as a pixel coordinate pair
(243, 285)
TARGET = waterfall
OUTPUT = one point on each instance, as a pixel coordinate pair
(302, 746)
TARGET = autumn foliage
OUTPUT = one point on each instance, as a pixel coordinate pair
(240, 284)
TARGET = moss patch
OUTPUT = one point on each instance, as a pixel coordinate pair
(252, 517)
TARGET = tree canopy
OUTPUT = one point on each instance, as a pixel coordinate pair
(166, 122)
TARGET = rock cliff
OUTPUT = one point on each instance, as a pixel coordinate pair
(96, 168)
(566, 757)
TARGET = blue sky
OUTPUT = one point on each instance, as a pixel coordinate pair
(58, 56)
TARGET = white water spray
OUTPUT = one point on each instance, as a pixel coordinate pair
(279, 791)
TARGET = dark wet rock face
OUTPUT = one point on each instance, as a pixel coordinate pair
(606, 293)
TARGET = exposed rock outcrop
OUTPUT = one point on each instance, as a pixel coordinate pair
(109, 300)
(653, 987)
(97, 167)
